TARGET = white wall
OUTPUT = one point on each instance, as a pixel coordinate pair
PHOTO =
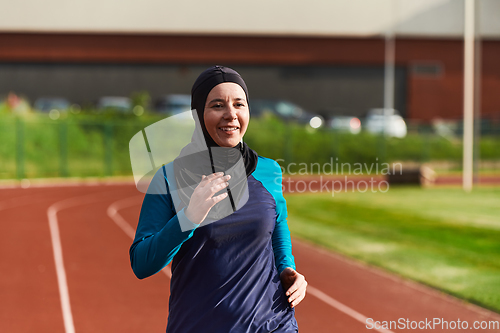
(276, 17)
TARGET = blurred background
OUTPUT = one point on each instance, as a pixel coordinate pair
(353, 81)
(78, 81)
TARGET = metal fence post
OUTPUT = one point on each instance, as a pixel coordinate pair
(108, 149)
(424, 133)
(63, 148)
(288, 143)
(19, 148)
(382, 147)
(334, 146)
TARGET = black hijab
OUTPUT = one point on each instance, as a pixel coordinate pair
(203, 156)
(201, 88)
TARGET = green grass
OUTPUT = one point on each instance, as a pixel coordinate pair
(89, 145)
(444, 238)
(76, 146)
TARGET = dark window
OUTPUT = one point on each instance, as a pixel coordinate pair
(427, 69)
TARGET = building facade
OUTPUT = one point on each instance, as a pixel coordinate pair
(327, 57)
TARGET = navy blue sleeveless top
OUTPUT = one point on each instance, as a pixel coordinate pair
(225, 275)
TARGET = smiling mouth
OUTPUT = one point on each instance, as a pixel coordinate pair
(229, 129)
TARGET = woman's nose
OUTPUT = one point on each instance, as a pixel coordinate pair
(230, 113)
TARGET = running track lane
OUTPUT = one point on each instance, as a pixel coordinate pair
(106, 297)
(29, 295)
(342, 293)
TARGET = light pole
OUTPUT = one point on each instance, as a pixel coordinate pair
(390, 51)
(468, 138)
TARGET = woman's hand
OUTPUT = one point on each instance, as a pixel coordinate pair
(202, 199)
(294, 284)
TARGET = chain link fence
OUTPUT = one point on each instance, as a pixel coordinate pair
(36, 146)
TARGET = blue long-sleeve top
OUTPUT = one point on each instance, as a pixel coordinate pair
(225, 274)
(159, 235)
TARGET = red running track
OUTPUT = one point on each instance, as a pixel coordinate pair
(93, 226)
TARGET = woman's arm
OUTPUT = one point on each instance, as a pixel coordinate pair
(159, 236)
(293, 282)
(268, 172)
(282, 244)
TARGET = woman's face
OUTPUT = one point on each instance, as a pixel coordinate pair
(226, 114)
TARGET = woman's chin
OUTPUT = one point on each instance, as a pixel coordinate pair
(228, 142)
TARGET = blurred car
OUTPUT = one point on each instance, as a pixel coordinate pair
(114, 103)
(445, 127)
(386, 121)
(47, 104)
(14, 103)
(345, 124)
(173, 104)
(285, 110)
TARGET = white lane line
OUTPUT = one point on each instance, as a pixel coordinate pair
(342, 308)
(118, 219)
(52, 211)
(69, 327)
(399, 280)
(124, 225)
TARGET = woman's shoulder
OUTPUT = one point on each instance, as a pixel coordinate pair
(269, 173)
(158, 183)
(267, 164)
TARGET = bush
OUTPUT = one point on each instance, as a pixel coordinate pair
(89, 144)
